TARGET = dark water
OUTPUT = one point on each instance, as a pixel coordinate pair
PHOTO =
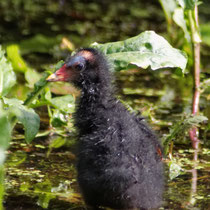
(35, 181)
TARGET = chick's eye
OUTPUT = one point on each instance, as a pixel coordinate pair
(79, 66)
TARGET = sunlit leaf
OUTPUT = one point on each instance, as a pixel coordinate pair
(174, 170)
(58, 142)
(13, 54)
(168, 7)
(7, 76)
(145, 50)
(179, 19)
(32, 77)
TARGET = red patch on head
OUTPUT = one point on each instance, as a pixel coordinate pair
(86, 54)
(63, 74)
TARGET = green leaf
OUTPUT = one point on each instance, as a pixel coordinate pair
(40, 85)
(58, 119)
(174, 170)
(7, 76)
(64, 103)
(32, 77)
(195, 120)
(59, 65)
(43, 190)
(187, 4)
(144, 50)
(5, 133)
(30, 121)
(179, 19)
(180, 128)
(57, 143)
(168, 6)
(26, 116)
(13, 54)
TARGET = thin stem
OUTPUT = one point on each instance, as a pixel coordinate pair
(196, 46)
(194, 25)
(39, 86)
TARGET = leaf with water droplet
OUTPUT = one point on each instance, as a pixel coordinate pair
(145, 50)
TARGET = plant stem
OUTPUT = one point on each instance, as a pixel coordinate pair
(193, 133)
(39, 86)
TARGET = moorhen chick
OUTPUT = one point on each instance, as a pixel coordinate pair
(119, 162)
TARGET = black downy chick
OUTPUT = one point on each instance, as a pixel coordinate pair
(119, 162)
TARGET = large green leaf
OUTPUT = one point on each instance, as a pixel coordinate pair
(144, 50)
(30, 121)
(7, 76)
(26, 116)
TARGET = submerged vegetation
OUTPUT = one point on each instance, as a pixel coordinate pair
(154, 75)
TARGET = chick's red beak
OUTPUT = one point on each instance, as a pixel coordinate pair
(60, 75)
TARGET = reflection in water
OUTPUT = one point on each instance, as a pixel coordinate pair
(193, 192)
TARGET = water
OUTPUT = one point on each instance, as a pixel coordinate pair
(35, 181)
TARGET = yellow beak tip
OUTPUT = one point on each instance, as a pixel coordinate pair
(51, 78)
